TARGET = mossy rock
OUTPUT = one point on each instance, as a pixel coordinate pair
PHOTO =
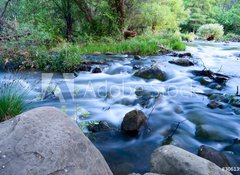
(151, 73)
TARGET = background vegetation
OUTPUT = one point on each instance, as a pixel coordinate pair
(55, 33)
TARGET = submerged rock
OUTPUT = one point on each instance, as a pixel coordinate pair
(182, 62)
(45, 141)
(215, 105)
(151, 73)
(133, 121)
(99, 127)
(171, 160)
(213, 133)
(214, 156)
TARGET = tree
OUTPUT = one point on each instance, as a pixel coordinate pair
(159, 15)
(200, 12)
(229, 16)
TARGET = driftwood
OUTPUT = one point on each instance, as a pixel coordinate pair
(218, 78)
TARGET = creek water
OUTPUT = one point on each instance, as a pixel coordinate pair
(111, 94)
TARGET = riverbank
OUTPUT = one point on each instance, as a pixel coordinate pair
(66, 57)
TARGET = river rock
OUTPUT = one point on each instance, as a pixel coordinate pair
(214, 133)
(96, 70)
(182, 62)
(215, 105)
(181, 55)
(45, 141)
(214, 156)
(137, 57)
(133, 121)
(172, 160)
(102, 126)
(84, 67)
(151, 73)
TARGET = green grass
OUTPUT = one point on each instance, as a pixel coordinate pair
(12, 99)
(142, 45)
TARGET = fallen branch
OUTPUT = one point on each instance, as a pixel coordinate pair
(169, 139)
(202, 93)
(237, 93)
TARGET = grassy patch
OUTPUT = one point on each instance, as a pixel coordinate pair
(12, 99)
(142, 45)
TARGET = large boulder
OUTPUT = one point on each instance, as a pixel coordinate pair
(153, 72)
(45, 141)
(172, 160)
(133, 121)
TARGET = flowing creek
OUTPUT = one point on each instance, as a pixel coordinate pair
(111, 94)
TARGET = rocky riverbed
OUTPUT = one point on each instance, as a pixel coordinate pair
(188, 99)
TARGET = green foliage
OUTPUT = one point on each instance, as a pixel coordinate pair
(12, 99)
(211, 31)
(200, 13)
(64, 59)
(159, 15)
(230, 19)
(231, 37)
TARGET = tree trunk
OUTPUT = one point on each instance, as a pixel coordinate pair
(69, 22)
(121, 11)
(84, 7)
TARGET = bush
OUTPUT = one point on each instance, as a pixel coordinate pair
(211, 31)
(231, 37)
(12, 99)
(64, 58)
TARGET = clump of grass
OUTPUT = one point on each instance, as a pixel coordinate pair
(12, 99)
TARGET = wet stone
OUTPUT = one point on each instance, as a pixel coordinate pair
(213, 155)
(215, 105)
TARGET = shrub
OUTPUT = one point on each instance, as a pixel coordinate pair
(211, 31)
(231, 37)
(63, 59)
(12, 99)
